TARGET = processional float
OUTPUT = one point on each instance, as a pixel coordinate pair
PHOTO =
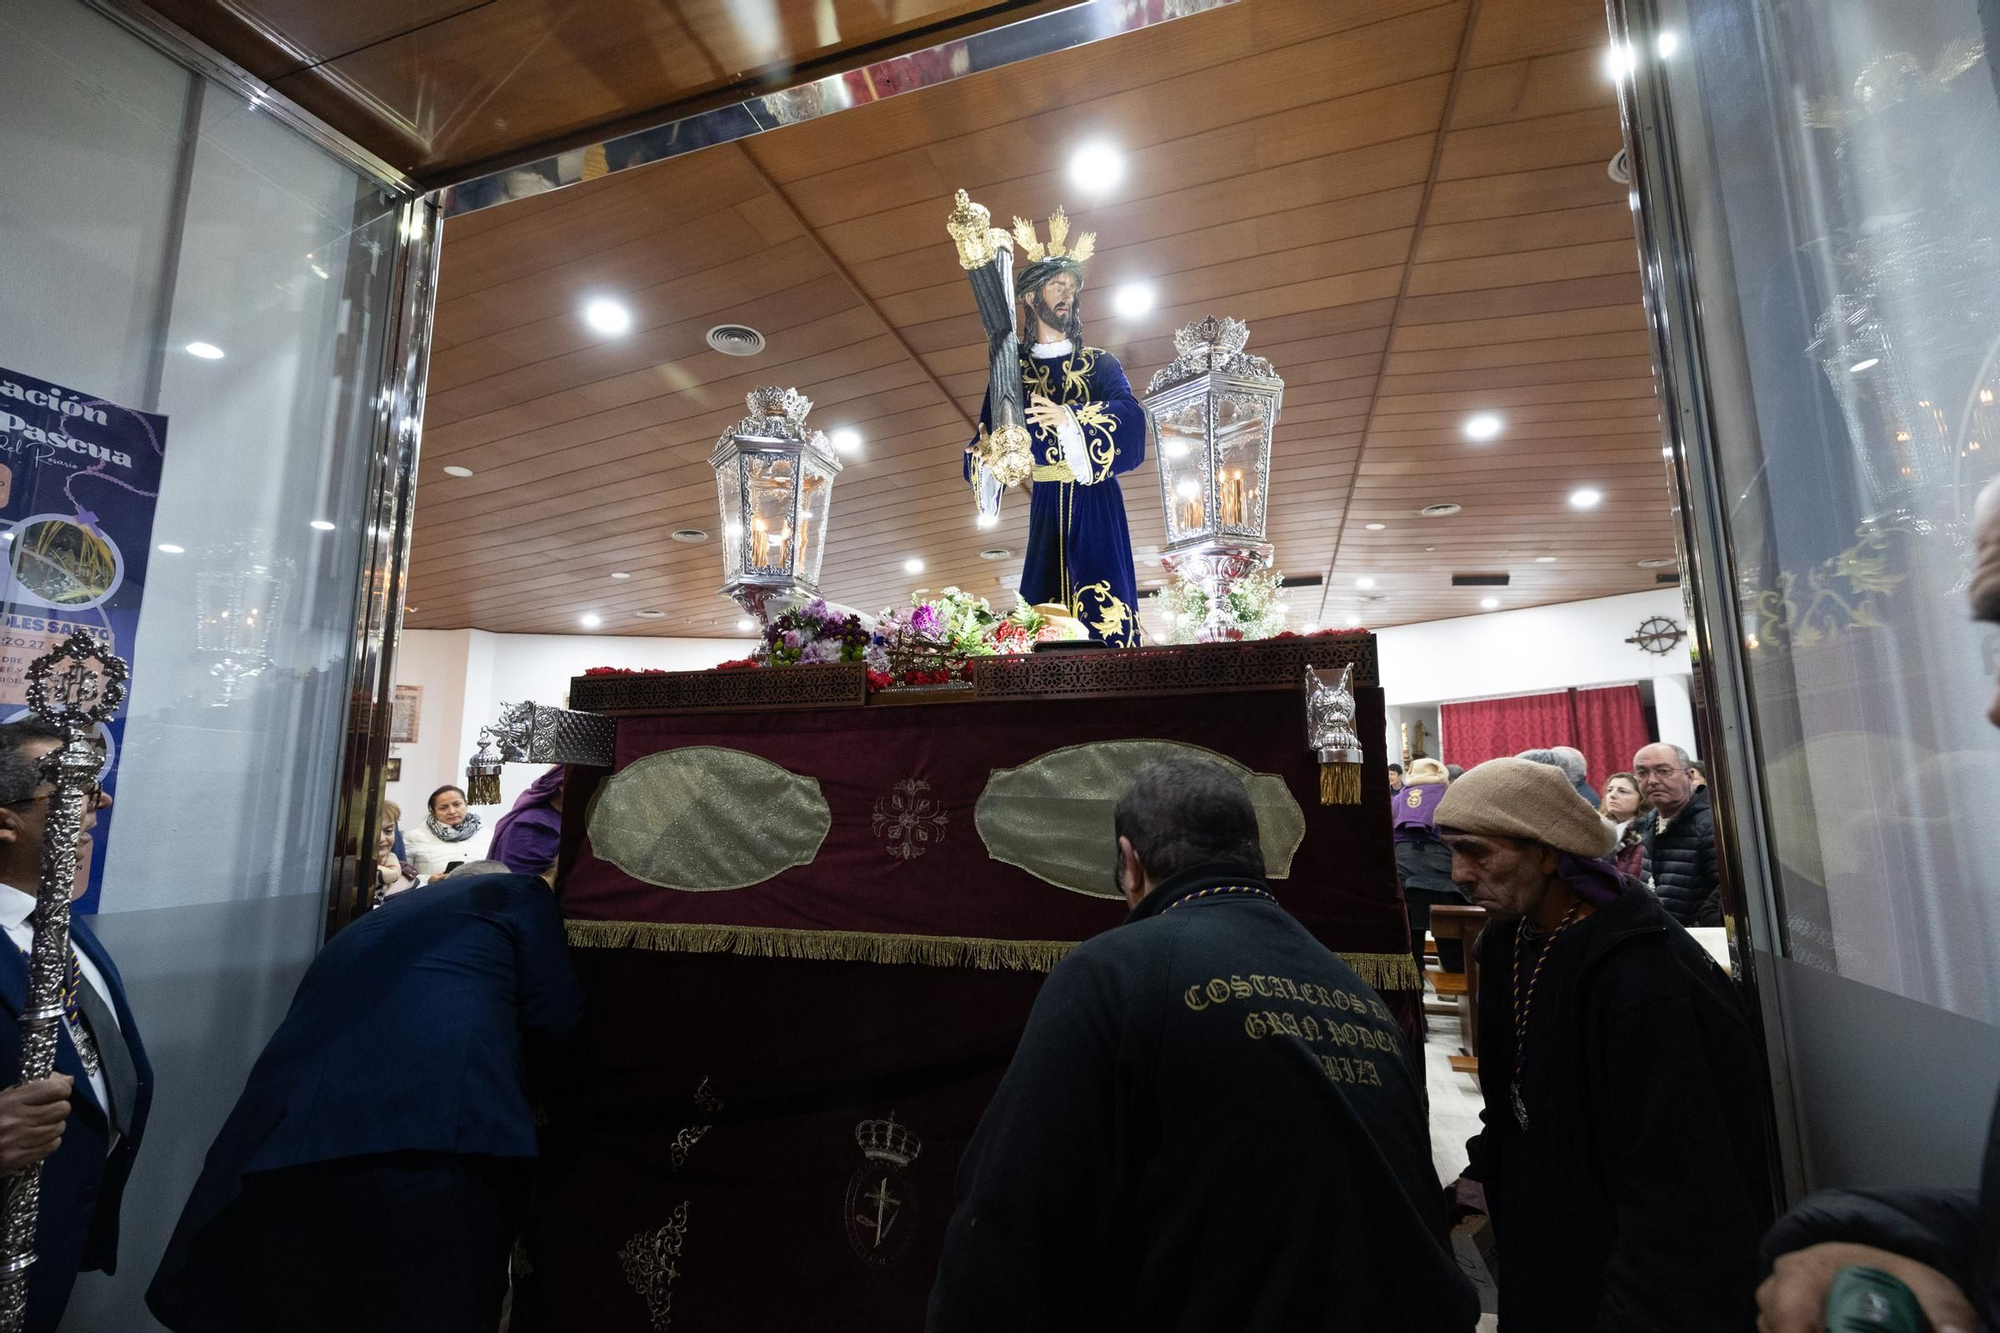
(75, 687)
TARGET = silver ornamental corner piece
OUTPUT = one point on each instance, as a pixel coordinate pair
(1210, 345)
(775, 412)
(1330, 718)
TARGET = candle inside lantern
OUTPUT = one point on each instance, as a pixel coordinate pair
(1231, 499)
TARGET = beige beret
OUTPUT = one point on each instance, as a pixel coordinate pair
(1517, 798)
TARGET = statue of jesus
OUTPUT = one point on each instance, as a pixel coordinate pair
(1086, 427)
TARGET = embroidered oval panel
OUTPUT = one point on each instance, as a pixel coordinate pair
(704, 817)
(1052, 815)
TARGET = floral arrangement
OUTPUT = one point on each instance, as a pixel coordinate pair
(959, 623)
(812, 634)
(1025, 627)
(1255, 609)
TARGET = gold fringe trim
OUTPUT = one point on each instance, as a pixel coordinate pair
(1383, 971)
(1340, 784)
(843, 946)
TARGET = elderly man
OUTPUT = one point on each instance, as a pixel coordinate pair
(1680, 842)
(375, 1169)
(1210, 1122)
(1941, 1243)
(1621, 1153)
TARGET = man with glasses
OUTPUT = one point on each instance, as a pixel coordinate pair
(1210, 1122)
(1681, 837)
(84, 1122)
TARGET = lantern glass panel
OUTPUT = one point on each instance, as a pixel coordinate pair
(729, 501)
(1242, 428)
(815, 500)
(771, 478)
(1183, 439)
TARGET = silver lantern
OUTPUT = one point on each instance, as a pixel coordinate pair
(1212, 410)
(774, 483)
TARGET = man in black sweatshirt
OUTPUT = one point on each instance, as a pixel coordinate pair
(1210, 1122)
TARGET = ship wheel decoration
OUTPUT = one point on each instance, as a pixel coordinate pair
(1657, 634)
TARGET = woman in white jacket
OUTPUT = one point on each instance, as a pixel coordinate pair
(449, 834)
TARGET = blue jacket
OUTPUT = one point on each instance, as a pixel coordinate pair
(83, 1182)
(424, 1026)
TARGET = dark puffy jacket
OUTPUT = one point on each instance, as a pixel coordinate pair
(1683, 857)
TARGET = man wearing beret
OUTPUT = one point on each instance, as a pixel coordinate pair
(1622, 1155)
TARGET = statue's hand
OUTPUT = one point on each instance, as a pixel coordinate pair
(1044, 413)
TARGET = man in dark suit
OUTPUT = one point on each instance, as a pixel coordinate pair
(375, 1169)
(83, 1123)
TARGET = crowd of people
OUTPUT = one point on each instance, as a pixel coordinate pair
(1210, 1122)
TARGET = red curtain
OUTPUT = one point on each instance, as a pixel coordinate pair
(1608, 725)
(1491, 728)
(1610, 729)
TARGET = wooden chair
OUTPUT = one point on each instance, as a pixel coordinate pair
(1460, 925)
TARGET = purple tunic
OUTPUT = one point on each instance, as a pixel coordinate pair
(1413, 810)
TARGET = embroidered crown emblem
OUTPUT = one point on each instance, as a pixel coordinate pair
(1058, 246)
(887, 1141)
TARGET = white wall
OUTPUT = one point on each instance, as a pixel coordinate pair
(466, 674)
(1536, 651)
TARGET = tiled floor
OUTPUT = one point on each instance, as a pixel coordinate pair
(1455, 1106)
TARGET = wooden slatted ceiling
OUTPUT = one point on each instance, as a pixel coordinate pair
(435, 86)
(1288, 162)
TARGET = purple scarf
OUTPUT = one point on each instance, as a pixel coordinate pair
(529, 835)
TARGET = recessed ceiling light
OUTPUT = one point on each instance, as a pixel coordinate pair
(1860, 366)
(1375, 527)
(913, 566)
(689, 535)
(1482, 427)
(1445, 510)
(1545, 560)
(1658, 562)
(170, 548)
(607, 316)
(1489, 603)
(456, 471)
(1132, 300)
(650, 615)
(1364, 582)
(1097, 166)
(986, 521)
(590, 620)
(1619, 61)
(620, 574)
(321, 525)
(206, 351)
(1354, 620)
(1666, 451)
(845, 440)
(746, 624)
(1585, 497)
(995, 553)
(1666, 44)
